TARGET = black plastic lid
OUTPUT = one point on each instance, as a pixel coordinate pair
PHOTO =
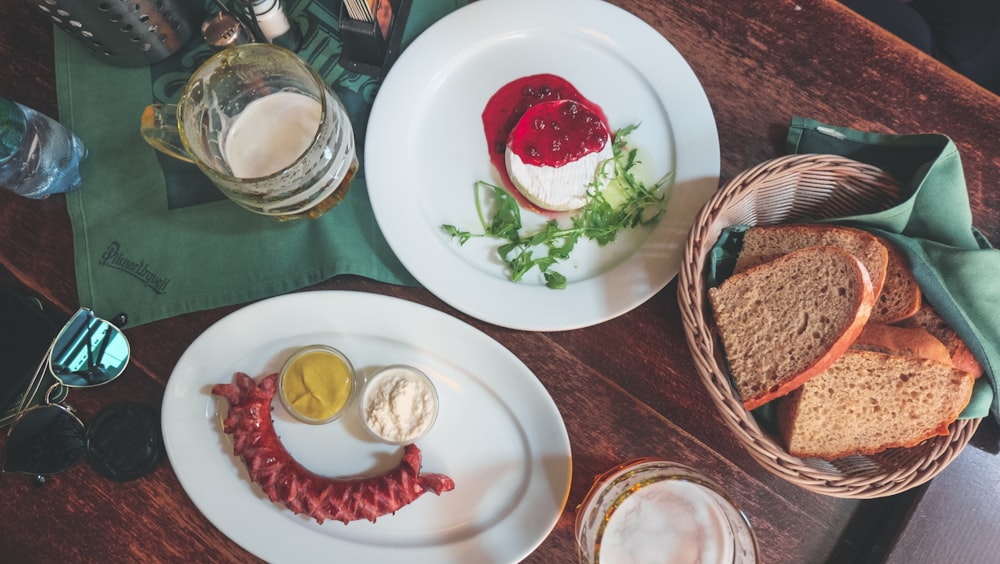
(125, 441)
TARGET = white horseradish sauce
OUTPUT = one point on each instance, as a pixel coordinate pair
(669, 521)
(400, 404)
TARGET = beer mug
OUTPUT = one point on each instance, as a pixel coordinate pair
(265, 128)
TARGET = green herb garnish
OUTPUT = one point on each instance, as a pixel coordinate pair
(621, 205)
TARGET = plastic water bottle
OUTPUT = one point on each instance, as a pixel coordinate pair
(38, 155)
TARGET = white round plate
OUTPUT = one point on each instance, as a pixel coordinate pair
(498, 435)
(425, 150)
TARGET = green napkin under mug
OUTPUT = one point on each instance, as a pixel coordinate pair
(153, 238)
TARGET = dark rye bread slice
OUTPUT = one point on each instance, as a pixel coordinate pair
(787, 320)
(763, 243)
(867, 402)
(900, 297)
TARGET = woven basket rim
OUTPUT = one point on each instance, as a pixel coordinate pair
(755, 191)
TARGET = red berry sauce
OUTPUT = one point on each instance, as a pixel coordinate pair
(558, 132)
(510, 103)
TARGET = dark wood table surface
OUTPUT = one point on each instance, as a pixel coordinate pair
(761, 62)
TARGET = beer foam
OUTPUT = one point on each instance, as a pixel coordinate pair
(668, 521)
(271, 133)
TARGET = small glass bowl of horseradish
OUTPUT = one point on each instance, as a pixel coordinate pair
(685, 517)
(317, 384)
(399, 404)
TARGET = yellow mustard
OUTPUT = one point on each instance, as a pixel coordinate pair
(317, 385)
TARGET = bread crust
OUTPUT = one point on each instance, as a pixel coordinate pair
(961, 356)
(907, 341)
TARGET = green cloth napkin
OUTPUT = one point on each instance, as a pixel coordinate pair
(956, 267)
(153, 238)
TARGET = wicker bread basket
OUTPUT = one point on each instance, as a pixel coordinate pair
(784, 190)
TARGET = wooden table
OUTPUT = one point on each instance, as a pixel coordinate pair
(761, 62)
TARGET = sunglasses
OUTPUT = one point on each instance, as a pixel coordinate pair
(49, 438)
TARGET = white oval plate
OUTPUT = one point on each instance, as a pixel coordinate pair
(425, 149)
(499, 435)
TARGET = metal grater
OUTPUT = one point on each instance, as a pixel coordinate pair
(127, 33)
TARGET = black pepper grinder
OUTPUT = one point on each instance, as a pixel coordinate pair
(271, 24)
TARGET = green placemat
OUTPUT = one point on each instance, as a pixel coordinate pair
(153, 238)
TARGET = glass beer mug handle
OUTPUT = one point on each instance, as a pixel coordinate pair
(159, 128)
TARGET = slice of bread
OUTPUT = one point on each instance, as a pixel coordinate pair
(929, 320)
(906, 341)
(787, 320)
(900, 297)
(867, 402)
(764, 243)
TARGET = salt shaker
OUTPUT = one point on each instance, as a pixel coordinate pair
(38, 155)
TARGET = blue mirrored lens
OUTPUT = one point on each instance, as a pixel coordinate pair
(88, 351)
(45, 440)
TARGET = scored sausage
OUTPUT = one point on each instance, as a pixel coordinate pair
(286, 481)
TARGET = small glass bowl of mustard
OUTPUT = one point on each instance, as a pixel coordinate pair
(317, 384)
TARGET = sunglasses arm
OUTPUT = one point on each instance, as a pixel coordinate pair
(32, 388)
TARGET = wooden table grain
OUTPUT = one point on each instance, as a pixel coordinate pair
(626, 388)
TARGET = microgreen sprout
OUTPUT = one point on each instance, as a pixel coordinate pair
(622, 204)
